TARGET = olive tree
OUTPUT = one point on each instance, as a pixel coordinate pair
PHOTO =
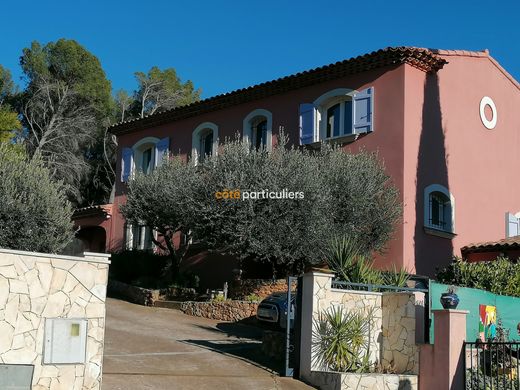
(35, 214)
(338, 194)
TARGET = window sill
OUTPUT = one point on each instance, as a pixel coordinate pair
(439, 233)
(343, 140)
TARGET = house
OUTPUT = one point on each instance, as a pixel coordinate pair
(445, 123)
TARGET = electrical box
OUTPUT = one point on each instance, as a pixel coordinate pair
(65, 341)
(16, 376)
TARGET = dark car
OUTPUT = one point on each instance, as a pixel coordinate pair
(273, 309)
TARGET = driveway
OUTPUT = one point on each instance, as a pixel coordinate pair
(155, 349)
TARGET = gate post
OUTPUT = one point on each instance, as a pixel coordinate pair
(315, 285)
(442, 364)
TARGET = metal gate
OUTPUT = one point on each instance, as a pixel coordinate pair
(492, 365)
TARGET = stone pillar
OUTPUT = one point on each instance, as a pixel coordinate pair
(315, 285)
(442, 364)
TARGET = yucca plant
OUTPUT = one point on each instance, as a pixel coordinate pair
(341, 340)
(350, 263)
(396, 277)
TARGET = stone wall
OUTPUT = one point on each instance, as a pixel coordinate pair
(353, 381)
(146, 296)
(34, 287)
(399, 350)
(392, 328)
(240, 289)
(134, 294)
(223, 311)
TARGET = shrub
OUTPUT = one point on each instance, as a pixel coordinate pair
(341, 340)
(252, 298)
(34, 212)
(500, 276)
(351, 264)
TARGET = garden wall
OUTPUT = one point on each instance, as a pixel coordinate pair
(392, 333)
(240, 289)
(38, 292)
(223, 311)
(347, 381)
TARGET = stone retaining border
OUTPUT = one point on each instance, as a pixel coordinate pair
(224, 311)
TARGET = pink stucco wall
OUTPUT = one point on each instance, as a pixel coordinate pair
(446, 143)
(427, 131)
(387, 138)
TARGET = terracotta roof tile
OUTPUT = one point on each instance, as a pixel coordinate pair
(424, 59)
(506, 243)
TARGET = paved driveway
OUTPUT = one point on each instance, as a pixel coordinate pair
(154, 348)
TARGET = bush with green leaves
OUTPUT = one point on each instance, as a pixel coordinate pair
(343, 194)
(500, 276)
(351, 264)
(341, 340)
(35, 214)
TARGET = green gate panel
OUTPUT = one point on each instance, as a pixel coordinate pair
(508, 308)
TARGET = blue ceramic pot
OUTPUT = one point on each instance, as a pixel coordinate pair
(449, 300)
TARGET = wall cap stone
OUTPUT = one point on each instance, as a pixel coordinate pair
(89, 257)
(359, 292)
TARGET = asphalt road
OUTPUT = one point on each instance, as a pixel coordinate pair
(158, 349)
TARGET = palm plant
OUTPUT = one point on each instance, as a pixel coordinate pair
(341, 340)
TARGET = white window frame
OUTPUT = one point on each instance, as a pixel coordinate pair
(428, 226)
(141, 230)
(326, 101)
(250, 120)
(139, 148)
(195, 140)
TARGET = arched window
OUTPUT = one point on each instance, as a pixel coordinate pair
(143, 156)
(258, 129)
(334, 113)
(341, 114)
(439, 209)
(204, 141)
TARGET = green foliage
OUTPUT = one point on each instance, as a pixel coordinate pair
(34, 212)
(252, 298)
(65, 109)
(219, 298)
(9, 123)
(341, 340)
(350, 264)
(180, 197)
(160, 90)
(396, 277)
(69, 62)
(500, 276)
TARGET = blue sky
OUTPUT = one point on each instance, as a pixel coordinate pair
(223, 45)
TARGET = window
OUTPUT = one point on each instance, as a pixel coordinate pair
(257, 129)
(143, 156)
(338, 114)
(204, 141)
(512, 225)
(259, 133)
(139, 237)
(439, 210)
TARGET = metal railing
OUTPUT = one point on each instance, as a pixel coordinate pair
(492, 365)
(338, 284)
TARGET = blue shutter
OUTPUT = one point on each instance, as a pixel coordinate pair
(348, 118)
(362, 120)
(307, 122)
(513, 225)
(161, 149)
(126, 164)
